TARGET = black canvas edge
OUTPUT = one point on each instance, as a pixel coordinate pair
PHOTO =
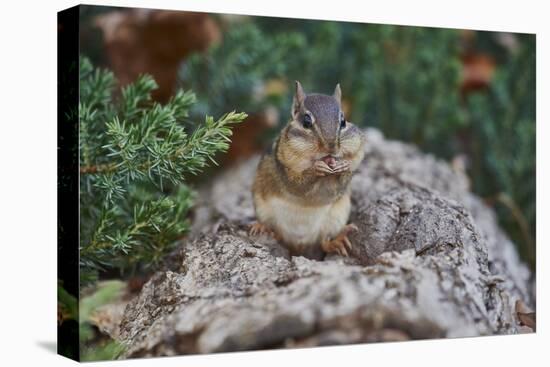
(68, 176)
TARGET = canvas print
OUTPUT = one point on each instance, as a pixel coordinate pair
(235, 183)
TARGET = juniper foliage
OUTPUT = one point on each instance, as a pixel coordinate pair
(503, 122)
(234, 73)
(135, 155)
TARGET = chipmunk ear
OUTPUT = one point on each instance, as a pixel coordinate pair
(298, 101)
(338, 94)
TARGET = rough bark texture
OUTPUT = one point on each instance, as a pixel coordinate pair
(429, 261)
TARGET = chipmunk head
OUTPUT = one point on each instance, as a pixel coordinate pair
(319, 129)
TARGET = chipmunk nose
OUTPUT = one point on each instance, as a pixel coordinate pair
(332, 146)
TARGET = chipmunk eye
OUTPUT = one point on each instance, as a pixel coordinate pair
(342, 121)
(307, 121)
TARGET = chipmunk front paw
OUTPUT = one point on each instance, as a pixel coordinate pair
(321, 168)
(330, 166)
(341, 243)
(259, 229)
(340, 167)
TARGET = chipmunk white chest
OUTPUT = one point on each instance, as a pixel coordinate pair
(304, 225)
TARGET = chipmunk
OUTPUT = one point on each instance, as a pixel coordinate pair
(301, 191)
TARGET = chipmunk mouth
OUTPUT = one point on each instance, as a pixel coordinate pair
(330, 160)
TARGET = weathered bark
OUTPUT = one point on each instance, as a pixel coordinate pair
(429, 261)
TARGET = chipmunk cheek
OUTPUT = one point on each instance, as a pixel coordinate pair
(349, 147)
(304, 149)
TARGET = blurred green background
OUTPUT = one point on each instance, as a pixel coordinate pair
(467, 97)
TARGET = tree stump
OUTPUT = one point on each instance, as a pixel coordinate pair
(428, 261)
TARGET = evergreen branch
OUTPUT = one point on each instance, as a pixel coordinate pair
(191, 154)
(100, 168)
(135, 96)
(129, 147)
(208, 139)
